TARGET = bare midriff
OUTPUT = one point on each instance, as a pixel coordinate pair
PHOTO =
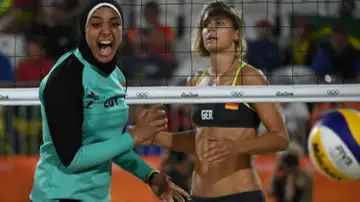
(236, 175)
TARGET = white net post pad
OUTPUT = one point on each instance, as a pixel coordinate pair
(219, 94)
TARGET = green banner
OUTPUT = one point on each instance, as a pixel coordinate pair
(321, 27)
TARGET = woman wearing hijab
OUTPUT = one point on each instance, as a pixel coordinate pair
(84, 112)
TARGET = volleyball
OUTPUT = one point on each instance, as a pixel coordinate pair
(334, 145)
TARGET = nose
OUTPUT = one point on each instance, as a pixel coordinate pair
(105, 29)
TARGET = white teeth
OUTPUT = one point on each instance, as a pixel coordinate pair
(105, 42)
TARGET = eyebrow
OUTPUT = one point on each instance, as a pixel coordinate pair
(98, 17)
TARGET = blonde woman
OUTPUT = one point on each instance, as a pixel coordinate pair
(226, 133)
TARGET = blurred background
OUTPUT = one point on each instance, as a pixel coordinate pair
(293, 42)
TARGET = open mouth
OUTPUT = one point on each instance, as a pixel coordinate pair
(211, 38)
(105, 47)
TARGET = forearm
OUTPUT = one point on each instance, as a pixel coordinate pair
(269, 142)
(180, 142)
(95, 154)
(132, 163)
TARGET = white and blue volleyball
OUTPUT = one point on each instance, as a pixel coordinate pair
(334, 145)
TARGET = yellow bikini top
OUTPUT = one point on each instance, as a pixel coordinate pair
(243, 64)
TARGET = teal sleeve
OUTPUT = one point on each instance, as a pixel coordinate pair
(97, 153)
(132, 163)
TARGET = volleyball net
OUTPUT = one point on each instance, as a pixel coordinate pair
(159, 74)
(219, 94)
(305, 89)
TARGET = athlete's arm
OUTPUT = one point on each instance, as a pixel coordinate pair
(132, 163)
(182, 141)
(276, 137)
(63, 105)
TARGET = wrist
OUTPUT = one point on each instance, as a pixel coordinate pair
(157, 139)
(163, 139)
(150, 176)
(135, 138)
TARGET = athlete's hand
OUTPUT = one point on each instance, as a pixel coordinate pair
(148, 124)
(166, 190)
(219, 149)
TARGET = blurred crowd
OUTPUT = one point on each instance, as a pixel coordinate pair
(149, 57)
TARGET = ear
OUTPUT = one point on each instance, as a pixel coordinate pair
(237, 35)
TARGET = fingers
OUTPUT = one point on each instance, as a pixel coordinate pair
(214, 145)
(218, 159)
(158, 123)
(216, 153)
(130, 128)
(210, 152)
(178, 197)
(156, 112)
(217, 156)
(178, 189)
(156, 107)
(166, 196)
(143, 114)
(159, 114)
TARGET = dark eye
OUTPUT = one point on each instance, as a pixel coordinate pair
(205, 24)
(116, 24)
(95, 24)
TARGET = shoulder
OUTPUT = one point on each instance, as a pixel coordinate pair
(67, 65)
(252, 76)
(193, 79)
(121, 75)
(65, 76)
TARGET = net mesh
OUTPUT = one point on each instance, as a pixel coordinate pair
(28, 30)
(49, 30)
(272, 29)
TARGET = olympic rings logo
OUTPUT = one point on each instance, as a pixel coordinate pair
(237, 93)
(142, 95)
(333, 92)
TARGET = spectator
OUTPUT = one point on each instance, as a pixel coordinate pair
(154, 36)
(146, 69)
(290, 183)
(263, 52)
(347, 8)
(179, 118)
(58, 36)
(5, 148)
(6, 71)
(150, 61)
(32, 70)
(302, 47)
(338, 57)
(296, 116)
(5, 5)
(26, 120)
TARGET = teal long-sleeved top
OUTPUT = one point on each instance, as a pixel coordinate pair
(84, 113)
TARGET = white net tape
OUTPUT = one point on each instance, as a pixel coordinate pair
(219, 94)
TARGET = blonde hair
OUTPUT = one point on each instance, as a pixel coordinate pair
(237, 16)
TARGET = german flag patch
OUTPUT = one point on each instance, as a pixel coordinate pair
(232, 106)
